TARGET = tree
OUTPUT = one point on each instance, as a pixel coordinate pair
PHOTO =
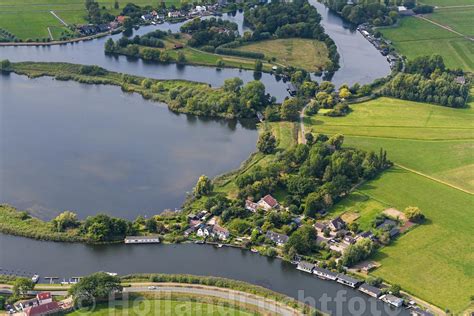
(21, 286)
(5, 65)
(336, 140)
(289, 109)
(97, 286)
(233, 84)
(395, 289)
(266, 143)
(116, 5)
(361, 250)
(309, 138)
(258, 65)
(203, 186)
(414, 214)
(344, 93)
(303, 241)
(181, 58)
(65, 220)
(314, 204)
(109, 46)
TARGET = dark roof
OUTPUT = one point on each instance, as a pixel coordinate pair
(419, 312)
(320, 225)
(371, 289)
(394, 232)
(366, 234)
(325, 271)
(387, 224)
(347, 278)
(276, 237)
(306, 265)
(338, 223)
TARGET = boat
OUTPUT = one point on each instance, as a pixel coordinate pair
(35, 278)
(111, 273)
(64, 282)
(199, 242)
(254, 250)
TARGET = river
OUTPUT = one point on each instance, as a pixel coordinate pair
(66, 145)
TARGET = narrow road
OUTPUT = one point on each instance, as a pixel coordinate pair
(50, 34)
(57, 17)
(303, 139)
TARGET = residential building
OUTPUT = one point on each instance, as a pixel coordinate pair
(392, 300)
(268, 202)
(305, 266)
(347, 280)
(44, 298)
(320, 227)
(279, 239)
(220, 232)
(43, 310)
(370, 290)
(337, 224)
(251, 206)
(324, 273)
(204, 230)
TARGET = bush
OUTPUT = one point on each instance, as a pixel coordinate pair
(234, 52)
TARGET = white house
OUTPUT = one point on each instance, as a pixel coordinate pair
(204, 231)
(268, 202)
(392, 300)
(220, 232)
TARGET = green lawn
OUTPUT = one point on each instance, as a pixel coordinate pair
(31, 18)
(163, 307)
(459, 19)
(302, 53)
(415, 37)
(446, 3)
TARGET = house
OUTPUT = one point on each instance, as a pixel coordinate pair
(251, 206)
(387, 225)
(349, 240)
(305, 266)
(178, 46)
(189, 231)
(394, 232)
(320, 227)
(268, 202)
(220, 232)
(204, 230)
(292, 89)
(460, 79)
(201, 215)
(44, 309)
(370, 290)
(324, 274)
(392, 300)
(147, 17)
(121, 19)
(279, 239)
(337, 224)
(23, 305)
(347, 280)
(298, 221)
(174, 14)
(44, 298)
(366, 234)
(142, 240)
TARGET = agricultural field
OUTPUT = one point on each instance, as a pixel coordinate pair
(458, 19)
(447, 3)
(434, 140)
(414, 37)
(30, 19)
(435, 143)
(301, 53)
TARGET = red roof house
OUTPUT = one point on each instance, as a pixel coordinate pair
(43, 310)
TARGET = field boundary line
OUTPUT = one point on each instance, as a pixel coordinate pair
(434, 179)
(57, 17)
(444, 27)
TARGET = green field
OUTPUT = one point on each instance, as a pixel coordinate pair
(30, 19)
(459, 19)
(432, 260)
(447, 3)
(415, 37)
(297, 52)
(164, 307)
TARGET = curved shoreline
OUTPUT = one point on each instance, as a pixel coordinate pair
(73, 40)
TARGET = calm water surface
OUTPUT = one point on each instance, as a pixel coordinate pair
(91, 148)
(24, 256)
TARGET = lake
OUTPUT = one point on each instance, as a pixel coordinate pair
(91, 148)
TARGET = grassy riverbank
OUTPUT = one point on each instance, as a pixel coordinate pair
(180, 95)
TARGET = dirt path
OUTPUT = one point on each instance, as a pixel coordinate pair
(444, 27)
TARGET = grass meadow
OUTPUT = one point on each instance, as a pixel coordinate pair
(302, 53)
(30, 19)
(414, 37)
(432, 261)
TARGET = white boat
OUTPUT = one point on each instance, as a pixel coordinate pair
(111, 273)
(35, 278)
(220, 245)
(254, 250)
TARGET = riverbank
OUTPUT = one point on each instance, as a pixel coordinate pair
(51, 43)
